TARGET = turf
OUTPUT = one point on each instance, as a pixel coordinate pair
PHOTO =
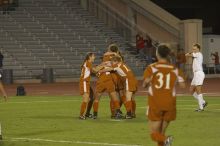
(53, 121)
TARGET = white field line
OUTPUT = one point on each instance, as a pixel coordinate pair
(42, 101)
(66, 141)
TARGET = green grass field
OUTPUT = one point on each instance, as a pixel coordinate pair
(53, 121)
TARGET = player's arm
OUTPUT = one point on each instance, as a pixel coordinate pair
(147, 77)
(97, 68)
(190, 54)
(146, 82)
(106, 69)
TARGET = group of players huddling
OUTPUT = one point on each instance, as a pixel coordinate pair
(118, 80)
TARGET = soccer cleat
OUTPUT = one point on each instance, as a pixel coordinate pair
(118, 116)
(0, 137)
(133, 115)
(205, 104)
(168, 141)
(82, 117)
(89, 116)
(199, 110)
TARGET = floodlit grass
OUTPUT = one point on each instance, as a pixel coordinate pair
(53, 121)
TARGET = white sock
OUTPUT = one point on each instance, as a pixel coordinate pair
(195, 95)
(201, 101)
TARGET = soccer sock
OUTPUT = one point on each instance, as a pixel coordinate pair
(123, 99)
(133, 107)
(116, 104)
(89, 106)
(195, 95)
(201, 101)
(128, 105)
(95, 106)
(158, 137)
(83, 108)
(112, 107)
(160, 143)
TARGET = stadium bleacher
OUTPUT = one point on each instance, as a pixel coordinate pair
(54, 34)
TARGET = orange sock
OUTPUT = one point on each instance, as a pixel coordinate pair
(158, 137)
(133, 107)
(160, 143)
(112, 107)
(83, 108)
(123, 99)
(116, 105)
(95, 106)
(128, 106)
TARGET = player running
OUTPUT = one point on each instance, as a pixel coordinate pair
(161, 77)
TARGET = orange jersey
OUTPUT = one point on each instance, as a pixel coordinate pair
(162, 94)
(125, 72)
(86, 71)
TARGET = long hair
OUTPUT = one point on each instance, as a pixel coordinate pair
(88, 55)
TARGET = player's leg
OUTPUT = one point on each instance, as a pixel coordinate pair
(90, 103)
(155, 132)
(201, 101)
(199, 78)
(116, 101)
(128, 104)
(84, 106)
(133, 107)
(169, 139)
(96, 104)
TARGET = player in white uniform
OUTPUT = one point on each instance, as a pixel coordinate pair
(198, 76)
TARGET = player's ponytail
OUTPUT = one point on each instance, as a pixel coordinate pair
(88, 55)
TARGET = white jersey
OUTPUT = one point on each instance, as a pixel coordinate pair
(197, 62)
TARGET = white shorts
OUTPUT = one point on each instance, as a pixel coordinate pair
(198, 78)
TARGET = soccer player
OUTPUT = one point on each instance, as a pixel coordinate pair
(161, 77)
(84, 83)
(198, 76)
(129, 82)
(105, 83)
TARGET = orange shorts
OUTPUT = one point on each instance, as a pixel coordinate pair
(131, 84)
(105, 84)
(84, 87)
(118, 81)
(160, 115)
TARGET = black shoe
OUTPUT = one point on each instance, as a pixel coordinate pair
(82, 117)
(205, 104)
(118, 116)
(199, 110)
(94, 117)
(168, 141)
(133, 115)
(89, 116)
(0, 137)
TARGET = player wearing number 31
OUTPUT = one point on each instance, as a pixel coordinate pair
(161, 78)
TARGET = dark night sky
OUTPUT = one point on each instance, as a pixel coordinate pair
(207, 10)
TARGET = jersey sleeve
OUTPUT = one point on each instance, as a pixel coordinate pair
(195, 55)
(147, 72)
